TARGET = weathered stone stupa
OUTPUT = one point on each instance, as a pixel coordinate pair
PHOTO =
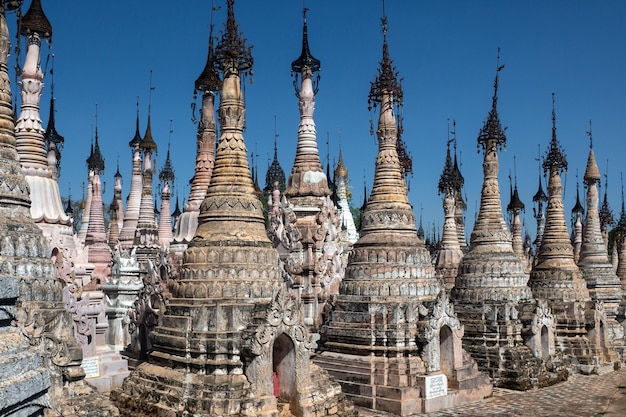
(603, 283)
(116, 209)
(166, 177)
(233, 342)
(131, 215)
(508, 334)
(342, 182)
(450, 254)
(514, 208)
(393, 340)
(40, 166)
(581, 329)
(316, 258)
(39, 358)
(147, 231)
(578, 212)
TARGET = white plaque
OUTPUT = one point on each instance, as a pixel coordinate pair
(436, 386)
(91, 366)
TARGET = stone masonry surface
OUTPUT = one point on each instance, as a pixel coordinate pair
(580, 396)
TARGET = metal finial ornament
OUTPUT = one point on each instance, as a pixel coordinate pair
(515, 206)
(606, 215)
(589, 134)
(95, 161)
(167, 172)
(306, 64)
(555, 157)
(35, 21)
(492, 135)
(232, 53)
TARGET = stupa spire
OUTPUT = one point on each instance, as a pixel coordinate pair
(603, 284)
(578, 211)
(621, 240)
(450, 254)
(208, 84)
(46, 205)
(131, 215)
(515, 207)
(54, 141)
(147, 233)
(389, 270)
(556, 251)
(307, 180)
(167, 178)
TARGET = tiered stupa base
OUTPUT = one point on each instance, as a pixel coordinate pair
(495, 336)
(392, 373)
(604, 286)
(581, 324)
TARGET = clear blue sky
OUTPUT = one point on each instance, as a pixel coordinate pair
(444, 50)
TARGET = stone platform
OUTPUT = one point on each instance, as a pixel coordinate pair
(581, 396)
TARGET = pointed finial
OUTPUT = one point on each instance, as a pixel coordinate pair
(150, 94)
(232, 53)
(590, 136)
(275, 139)
(555, 159)
(492, 135)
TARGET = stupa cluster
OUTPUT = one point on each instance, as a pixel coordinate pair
(286, 309)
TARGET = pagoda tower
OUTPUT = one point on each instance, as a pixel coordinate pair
(117, 210)
(40, 166)
(99, 253)
(315, 263)
(578, 212)
(392, 333)
(603, 284)
(147, 232)
(86, 204)
(232, 339)
(275, 172)
(514, 208)
(133, 202)
(540, 198)
(460, 205)
(581, 328)
(450, 254)
(166, 177)
(208, 84)
(621, 243)
(606, 215)
(39, 357)
(342, 181)
(506, 331)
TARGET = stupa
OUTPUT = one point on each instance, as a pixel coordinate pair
(450, 254)
(506, 331)
(578, 211)
(39, 358)
(208, 84)
(133, 202)
(315, 262)
(342, 182)
(232, 342)
(514, 208)
(116, 209)
(603, 283)
(393, 340)
(166, 177)
(581, 328)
